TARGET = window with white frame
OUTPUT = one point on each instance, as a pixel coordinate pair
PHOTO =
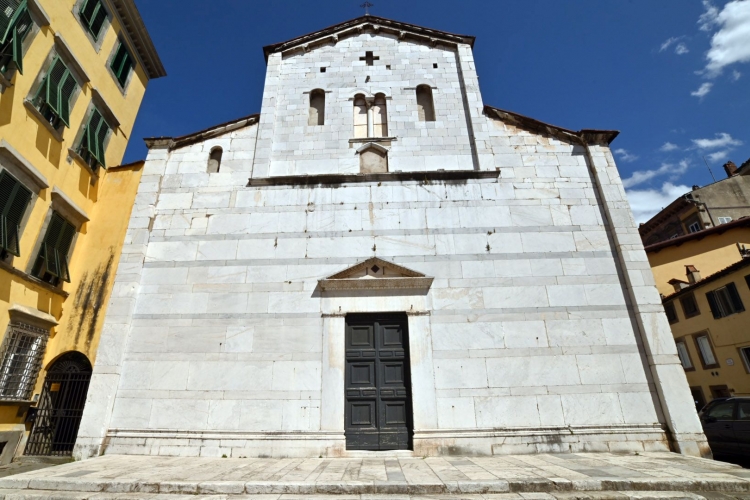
(684, 355)
(694, 227)
(745, 353)
(706, 351)
(22, 352)
(724, 220)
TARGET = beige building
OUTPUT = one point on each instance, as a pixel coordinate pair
(704, 279)
(703, 207)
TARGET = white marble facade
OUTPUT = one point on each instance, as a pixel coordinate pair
(541, 329)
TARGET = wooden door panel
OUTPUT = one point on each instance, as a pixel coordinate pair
(378, 395)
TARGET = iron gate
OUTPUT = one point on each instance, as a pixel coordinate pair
(55, 425)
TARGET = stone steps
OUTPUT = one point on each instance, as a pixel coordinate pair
(83, 487)
(559, 495)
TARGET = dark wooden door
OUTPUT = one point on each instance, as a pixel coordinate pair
(378, 390)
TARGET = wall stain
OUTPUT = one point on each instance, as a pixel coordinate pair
(89, 301)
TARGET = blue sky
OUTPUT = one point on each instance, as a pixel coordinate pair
(673, 76)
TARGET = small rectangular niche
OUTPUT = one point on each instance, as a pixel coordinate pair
(434, 65)
(322, 69)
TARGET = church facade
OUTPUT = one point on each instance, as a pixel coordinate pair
(380, 262)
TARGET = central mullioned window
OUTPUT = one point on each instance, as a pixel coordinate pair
(370, 116)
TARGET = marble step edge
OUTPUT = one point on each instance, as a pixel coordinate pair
(81, 485)
(581, 495)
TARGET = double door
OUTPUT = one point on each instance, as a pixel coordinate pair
(378, 391)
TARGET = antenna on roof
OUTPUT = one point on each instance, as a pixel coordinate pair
(367, 6)
(709, 169)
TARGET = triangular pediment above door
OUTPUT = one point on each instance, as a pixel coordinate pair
(375, 273)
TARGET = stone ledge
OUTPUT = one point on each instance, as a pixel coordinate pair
(326, 179)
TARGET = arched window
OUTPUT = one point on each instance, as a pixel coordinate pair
(425, 104)
(360, 116)
(317, 108)
(379, 117)
(214, 160)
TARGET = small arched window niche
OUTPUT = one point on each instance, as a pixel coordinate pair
(370, 116)
(317, 107)
(214, 160)
(373, 159)
(425, 104)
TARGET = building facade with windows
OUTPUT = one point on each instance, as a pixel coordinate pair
(72, 77)
(379, 261)
(703, 207)
(704, 279)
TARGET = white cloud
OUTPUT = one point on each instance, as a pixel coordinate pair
(645, 203)
(625, 155)
(708, 18)
(736, 75)
(681, 49)
(702, 90)
(668, 42)
(641, 176)
(668, 146)
(722, 140)
(731, 43)
(719, 155)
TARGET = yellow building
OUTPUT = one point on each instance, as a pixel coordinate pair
(704, 279)
(72, 75)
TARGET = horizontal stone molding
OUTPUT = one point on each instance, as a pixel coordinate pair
(324, 179)
(233, 435)
(539, 431)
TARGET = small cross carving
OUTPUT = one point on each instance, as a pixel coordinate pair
(368, 58)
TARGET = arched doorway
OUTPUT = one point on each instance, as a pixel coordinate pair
(58, 414)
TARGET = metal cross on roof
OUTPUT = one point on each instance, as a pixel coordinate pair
(367, 6)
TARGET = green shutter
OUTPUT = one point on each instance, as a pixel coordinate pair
(92, 142)
(13, 30)
(735, 297)
(711, 297)
(53, 255)
(14, 198)
(7, 13)
(122, 64)
(58, 88)
(93, 15)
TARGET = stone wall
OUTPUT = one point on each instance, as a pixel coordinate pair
(542, 329)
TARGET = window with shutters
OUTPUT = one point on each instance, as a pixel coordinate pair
(21, 355)
(15, 24)
(93, 15)
(55, 93)
(122, 65)
(14, 199)
(671, 312)
(689, 306)
(51, 264)
(725, 301)
(706, 351)
(91, 147)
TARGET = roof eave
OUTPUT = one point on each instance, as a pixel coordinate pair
(583, 136)
(426, 34)
(186, 140)
(133, 23)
